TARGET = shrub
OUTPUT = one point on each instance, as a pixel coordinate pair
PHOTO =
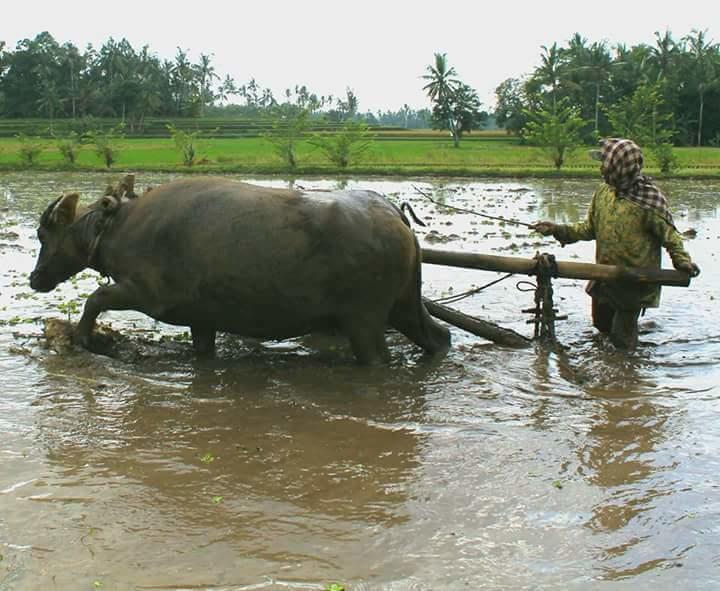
(557, 132)
(186, 142)
(106, 143)
(665, 156)
(30, 149)
(345, 145)
(69, 147)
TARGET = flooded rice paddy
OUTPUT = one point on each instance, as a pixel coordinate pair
(286, 466)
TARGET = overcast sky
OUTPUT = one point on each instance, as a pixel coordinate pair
(380, 49)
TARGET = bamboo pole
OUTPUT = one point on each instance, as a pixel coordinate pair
(565, 269)
(481, 328)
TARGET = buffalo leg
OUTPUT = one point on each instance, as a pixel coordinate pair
(203, 338)
(367, 340)
(413, 320)
(108, 297)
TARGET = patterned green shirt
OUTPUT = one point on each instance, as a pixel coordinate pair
(625, 234)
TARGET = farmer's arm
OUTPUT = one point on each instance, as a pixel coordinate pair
(585, 230)
(672, 241)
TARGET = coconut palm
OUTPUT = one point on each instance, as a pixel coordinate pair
(441, 88)
(73, 63)
(226, 89)
(597, 71)
(205, 75)
(662, 59)
(705, 70)
(50, 100)
(549, 71)
(441, 80)
(663, 55)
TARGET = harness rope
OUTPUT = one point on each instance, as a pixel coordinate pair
(101, 225)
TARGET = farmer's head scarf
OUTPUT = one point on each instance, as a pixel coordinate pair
(622, 162)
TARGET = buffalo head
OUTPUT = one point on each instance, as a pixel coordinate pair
(60, 256)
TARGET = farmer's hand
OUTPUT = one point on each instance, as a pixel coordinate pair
(544, 228)
(690, 268)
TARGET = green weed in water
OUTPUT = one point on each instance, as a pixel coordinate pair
(69, 307)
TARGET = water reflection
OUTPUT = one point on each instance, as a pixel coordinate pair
(622, 455)
(272, 465)
(246, 434)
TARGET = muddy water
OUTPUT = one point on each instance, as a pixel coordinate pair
(285, 466)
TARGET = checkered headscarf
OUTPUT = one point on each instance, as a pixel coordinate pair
(622, 162)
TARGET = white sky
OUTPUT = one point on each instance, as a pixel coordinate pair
(378, 48)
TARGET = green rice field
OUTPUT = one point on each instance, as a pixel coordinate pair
(392, 153)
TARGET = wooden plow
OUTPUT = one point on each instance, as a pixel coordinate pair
(545, 268)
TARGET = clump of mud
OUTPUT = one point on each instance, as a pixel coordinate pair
(59, 333)
(129, 347)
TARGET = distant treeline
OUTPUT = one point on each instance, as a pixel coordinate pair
(670, 87)
(42, 78)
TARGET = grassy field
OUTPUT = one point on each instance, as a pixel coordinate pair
(394, 153)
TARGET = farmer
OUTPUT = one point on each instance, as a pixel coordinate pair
(629, 220)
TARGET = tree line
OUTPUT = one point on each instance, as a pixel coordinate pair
(43, 78)
(667, 91)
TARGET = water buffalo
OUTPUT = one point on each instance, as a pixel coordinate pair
(220, 255)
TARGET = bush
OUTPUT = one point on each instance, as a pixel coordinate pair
(30, 149)
(185, 142)
(344, 146)
(69, 147)
(558, 132)
(665, 156)
(106, 145)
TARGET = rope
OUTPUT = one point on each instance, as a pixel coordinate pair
(526, 286)
(466, 294)
(472, 211)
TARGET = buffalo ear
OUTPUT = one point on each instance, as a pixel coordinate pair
(64, 212)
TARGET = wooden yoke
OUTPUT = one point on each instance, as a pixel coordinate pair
(565, 269)
(544, 267)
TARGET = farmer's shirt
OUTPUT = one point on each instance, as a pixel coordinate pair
(625, 234)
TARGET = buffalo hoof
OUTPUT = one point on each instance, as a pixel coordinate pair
(81, 340)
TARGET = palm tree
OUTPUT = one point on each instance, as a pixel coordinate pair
(226, 89)
(441, 87)
(593, 65)
(73, 61)
(441, 82)
(550, 70)
(663, 54)
(598, 71)
(405, 111)
(662, 58)
(205, 74)
(577, 47)
(50, 100)
(182, 77)
(704, 69)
